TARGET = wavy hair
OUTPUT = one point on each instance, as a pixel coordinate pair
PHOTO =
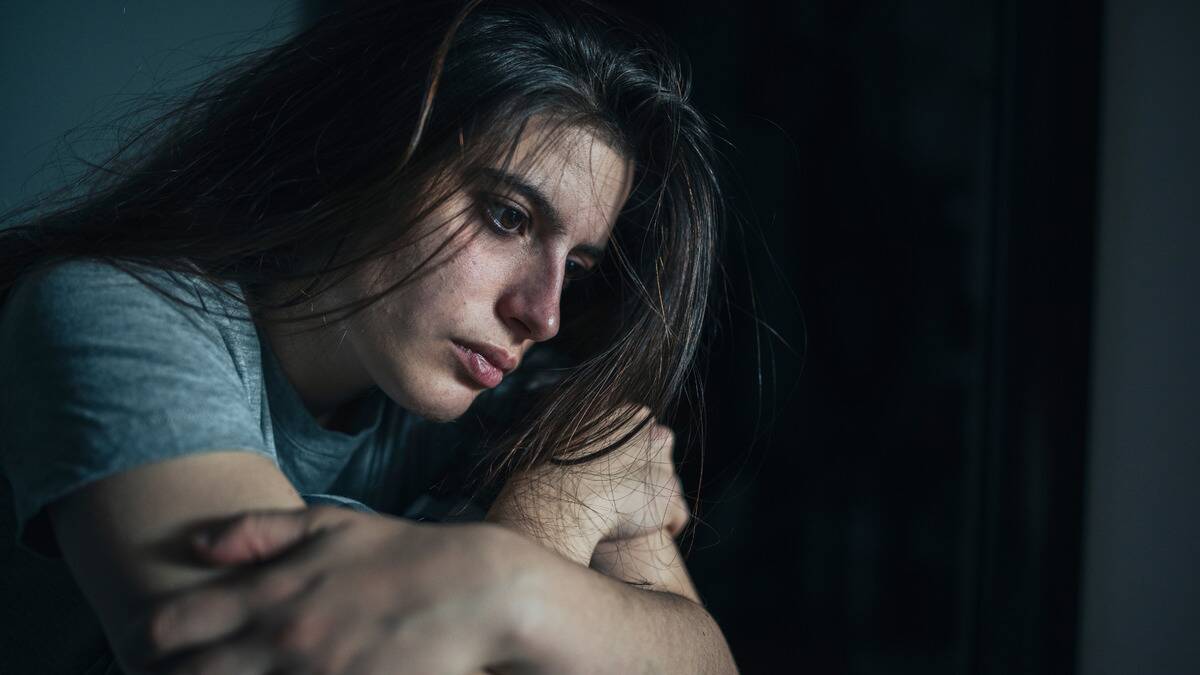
(303, 161)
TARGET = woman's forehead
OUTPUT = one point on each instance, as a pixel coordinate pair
(581, 175)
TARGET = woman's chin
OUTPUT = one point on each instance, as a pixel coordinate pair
(438, 405)
(441, 414)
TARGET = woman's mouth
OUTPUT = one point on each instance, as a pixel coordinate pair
(480, 369)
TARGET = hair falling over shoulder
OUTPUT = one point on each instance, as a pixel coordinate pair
(302, 161)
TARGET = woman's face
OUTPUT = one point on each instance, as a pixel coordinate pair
(455, 330)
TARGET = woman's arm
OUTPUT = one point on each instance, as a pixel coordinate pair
(659, 623)
(562, 617)
(603, 625)
(354, 586)
(643, 597)
(653, 562)
(619, 514)
(367, 576)
(125, 537)
(568, 618)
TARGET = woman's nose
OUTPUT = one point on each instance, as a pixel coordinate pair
(530, 307)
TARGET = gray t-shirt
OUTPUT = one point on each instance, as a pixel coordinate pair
(100, 373)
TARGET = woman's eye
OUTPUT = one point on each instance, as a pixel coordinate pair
(504, 218)
(576, 270)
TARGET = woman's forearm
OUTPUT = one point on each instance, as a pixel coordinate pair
(634, 610)
(653, 562)
(534, 511)
(586, 622)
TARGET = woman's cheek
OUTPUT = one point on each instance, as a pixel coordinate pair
(479, 273)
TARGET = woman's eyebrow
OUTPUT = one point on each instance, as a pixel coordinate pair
(550, 215)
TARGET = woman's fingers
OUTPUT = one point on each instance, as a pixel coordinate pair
(678, 514)
(225, 606)
(360, 591)
(662, 440)
(247, 658)
(195, 618)
(260, 535)
(425, 654)
(220, 610)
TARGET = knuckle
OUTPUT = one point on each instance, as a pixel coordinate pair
(665, 436)
(683, 510)
(173, 620)
(301, 632)
(333, 661)
(663, 476)
(160, 626)
(255, 522)
(324, 513)
(672, 488)
(272, 588)
(243, 522)
(242, 526)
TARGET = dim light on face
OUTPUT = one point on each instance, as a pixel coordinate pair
(456, 329)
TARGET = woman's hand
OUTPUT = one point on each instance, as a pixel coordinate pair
(566, 620)
(653, 562)
(629, 494)
(346, 592)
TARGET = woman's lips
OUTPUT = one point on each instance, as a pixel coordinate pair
(482, 370)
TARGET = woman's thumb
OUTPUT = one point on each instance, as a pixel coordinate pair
(253, 536)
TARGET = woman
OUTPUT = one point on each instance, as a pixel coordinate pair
(363, 228)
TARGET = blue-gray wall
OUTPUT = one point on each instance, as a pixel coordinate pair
(65, 63)
(1141, 591)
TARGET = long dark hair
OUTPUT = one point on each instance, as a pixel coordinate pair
(308, 159)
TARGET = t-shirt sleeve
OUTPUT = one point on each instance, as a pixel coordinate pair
(100, 374)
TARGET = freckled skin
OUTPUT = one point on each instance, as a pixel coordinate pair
(494, 288)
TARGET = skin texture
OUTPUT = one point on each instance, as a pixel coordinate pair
(348, 594)
(335, 604)
(629, 494)
(365, 593)
(125, 537)
(282, 588)
(494, 288)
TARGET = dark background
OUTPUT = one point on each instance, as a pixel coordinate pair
(952, 387)
(917, 182)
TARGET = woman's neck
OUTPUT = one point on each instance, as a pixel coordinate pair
(319, 363)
